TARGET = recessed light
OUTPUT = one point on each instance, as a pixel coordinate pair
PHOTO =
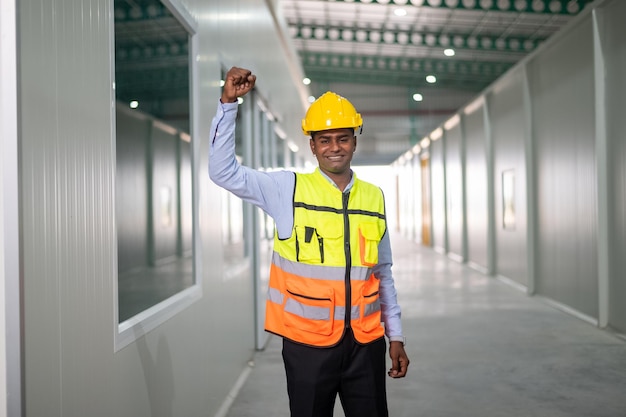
(400, 12)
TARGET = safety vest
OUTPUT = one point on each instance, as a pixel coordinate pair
(321, 279)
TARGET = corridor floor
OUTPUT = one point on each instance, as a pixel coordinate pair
(478, 348)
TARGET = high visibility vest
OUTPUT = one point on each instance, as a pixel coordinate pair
(321, 279)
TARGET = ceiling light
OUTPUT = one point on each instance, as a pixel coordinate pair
(418, 97)
(306, 81)
(449, 52)
(311, 99)
(134, 104)
(292, 145)
(431, 79)
(400, 12)
(239, 100)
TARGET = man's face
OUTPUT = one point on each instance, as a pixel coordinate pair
(333, 149)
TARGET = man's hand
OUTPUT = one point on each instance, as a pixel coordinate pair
(237, 83)
(399, 360)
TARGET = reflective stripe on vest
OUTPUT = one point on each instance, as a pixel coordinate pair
(301, 309)
(333, 273)
(327, 261)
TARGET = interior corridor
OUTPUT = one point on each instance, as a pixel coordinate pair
(478, 347)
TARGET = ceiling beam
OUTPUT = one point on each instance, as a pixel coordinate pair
(125, 12)
(563, 7)
(522, 44)
(411, 72)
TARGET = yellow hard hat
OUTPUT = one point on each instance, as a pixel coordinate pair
(330, 111)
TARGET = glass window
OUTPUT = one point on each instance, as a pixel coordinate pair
(154, 151)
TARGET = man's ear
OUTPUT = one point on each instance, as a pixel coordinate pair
(355, 142)
(312, 145)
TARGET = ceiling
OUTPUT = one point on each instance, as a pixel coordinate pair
(376, 53)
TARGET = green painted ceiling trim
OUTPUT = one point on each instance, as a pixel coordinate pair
(416, 67)
(151, 53)
(124, 12)
(409, 37)
(562, 7)
(381, 78)
(324, 75)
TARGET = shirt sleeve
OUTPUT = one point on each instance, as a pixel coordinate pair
(270, 191)
(390, 309)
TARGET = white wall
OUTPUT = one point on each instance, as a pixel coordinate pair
(507, 113)
(187, 365)
(10, 377)
(612, 35)
(556, 121)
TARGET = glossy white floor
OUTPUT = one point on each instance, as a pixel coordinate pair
(478, 347)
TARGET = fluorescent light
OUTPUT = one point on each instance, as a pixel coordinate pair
(400, 12)
(294, 148)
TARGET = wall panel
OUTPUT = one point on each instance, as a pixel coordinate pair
(454, 190)
(164, 192)
(187, 365)
(476, 186)
(561, 85)
(506, 108)
(437, 175)
(132, 165)
(614, 51)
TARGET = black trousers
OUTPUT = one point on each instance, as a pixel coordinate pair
(355, 372)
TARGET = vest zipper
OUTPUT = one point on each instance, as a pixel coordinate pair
(347, 252)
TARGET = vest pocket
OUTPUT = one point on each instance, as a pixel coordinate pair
(370, 316)
(309, 309)
(318, 245)
(309, 245)
(369, 237)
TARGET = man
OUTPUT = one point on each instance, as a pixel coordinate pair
(330, 280)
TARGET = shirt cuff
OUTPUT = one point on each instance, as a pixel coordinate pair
(398, 339)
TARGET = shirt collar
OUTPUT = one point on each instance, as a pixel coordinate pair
(348, 187)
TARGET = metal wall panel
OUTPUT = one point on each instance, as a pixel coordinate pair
(454, 190)
(416, 188)
(562, 99)
(164, 193)
(131, 164)
(187, 365)
(614, 51)
(437, 176)
(186, 200)
(507, 115)
(476, 186)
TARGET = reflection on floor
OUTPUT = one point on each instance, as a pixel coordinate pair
(478, 347)
(141, 289)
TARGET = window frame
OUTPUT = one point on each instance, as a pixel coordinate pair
(130, 330)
